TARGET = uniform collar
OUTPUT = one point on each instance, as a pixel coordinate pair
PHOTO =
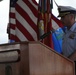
(73, 28)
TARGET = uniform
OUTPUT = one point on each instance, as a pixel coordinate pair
(69, 41)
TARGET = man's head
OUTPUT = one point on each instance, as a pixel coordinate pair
(64, 10)
(67, 15)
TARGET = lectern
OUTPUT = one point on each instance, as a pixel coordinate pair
(33, 58)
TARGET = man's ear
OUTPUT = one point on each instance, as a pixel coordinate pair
(72, 16)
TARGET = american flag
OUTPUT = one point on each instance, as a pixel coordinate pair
(23, 20)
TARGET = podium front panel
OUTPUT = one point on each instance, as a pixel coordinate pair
(33, 58)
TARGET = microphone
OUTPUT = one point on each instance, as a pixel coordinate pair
(46, 34)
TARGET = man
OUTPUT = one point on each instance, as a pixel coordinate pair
(67, 15)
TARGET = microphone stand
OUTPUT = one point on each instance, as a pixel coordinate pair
(46, 34)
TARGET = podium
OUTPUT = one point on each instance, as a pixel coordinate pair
(33, 58)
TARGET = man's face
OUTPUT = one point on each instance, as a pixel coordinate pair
(66, 19)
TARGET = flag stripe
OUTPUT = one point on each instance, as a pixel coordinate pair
(32, 8)
(12, 26)
(20, 36)
(12, 15)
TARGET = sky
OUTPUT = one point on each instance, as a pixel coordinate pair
(4, 15)
(4, 12)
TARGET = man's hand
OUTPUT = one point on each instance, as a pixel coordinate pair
(73, 56)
